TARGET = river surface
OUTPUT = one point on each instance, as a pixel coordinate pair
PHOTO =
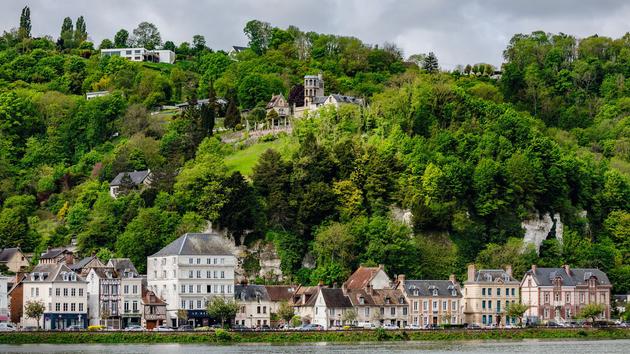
(504, 347)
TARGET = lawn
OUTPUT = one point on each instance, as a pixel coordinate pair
(244, 160)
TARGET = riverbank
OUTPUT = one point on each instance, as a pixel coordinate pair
(304, 337)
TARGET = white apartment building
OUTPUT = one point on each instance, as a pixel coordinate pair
(63, 293)
(4, 298)
(188, 272)
(141, 54)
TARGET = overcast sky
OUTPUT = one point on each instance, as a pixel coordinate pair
(459, 32)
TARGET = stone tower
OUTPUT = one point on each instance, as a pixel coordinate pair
(313, 87)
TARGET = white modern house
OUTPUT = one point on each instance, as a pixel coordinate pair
(189, 271)
(94, 94)
(63, 293)
(141, 54)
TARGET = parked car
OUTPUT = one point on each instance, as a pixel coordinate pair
(163, 328)
(74, 328)
(7, 327)
(185, 327)
(491, 326)
(240, 328)
(552, 324)
(432, 326)
(412, 326)
(390, 326)
(473, 326)
(134, 328)
(369, 325)
(312, 327)
(29, 328)
(264, 328)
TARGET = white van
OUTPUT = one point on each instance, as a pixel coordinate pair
(7, 327)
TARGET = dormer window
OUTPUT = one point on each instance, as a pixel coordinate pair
(454, 292)
(401, 300)
(388, 301)
(435, 292)
(361, 300)
(416, 292)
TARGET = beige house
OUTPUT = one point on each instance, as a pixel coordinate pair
(374, 277)
(303, 300)
(13, 259)
(432, 302)
(558, 294)
(281, 106)
(487, 293)
(379, 306)
(254, 306)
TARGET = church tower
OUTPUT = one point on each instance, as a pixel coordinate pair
(313, 87)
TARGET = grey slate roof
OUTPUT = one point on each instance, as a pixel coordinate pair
(54, 253)
(82, 263)
(51, 272)
(334, 297)
(137, 177)
(577, 276)
(122, 265)
(347, 99)
(239, 49)
(194, 244)
(250, 293)
(492, 275)
(7, 253)
(425, 288)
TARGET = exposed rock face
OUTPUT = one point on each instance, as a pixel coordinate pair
(539, 228)
(402, 215)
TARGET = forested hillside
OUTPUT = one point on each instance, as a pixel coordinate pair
(470, 154)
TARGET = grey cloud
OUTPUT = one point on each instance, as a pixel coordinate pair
(459, 32)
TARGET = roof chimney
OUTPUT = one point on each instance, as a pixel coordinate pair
(334, 285)
(567, 269)
(380, 266)
(534, 268)
(452, 278)
(508, 270)
(471, 272)
(401, 279)
(320, 284)
(369, 289)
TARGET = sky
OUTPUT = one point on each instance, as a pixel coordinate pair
(457, 31)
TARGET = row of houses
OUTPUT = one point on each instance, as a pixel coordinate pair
(186, 274)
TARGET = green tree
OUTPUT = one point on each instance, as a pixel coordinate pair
(146, 35)
(66, 36)
(232, 113)
(335, 243)
(223, 309)
(259, 34)
(106, 44)
(430, 63)
(121, 39)
(591, 311)
(80, 32)
(285, 311)
(35, 310)
(199, 42)
(25, 23)
(516, 310)
(349, 316)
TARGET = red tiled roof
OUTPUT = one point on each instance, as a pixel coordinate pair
(280, 292)
(361, 277)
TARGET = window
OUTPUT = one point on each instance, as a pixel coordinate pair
(198, 274)
(191, 304)
(404, 311)
(498, 291)
(393, 311)
(546, 298)
(483, 319)
(513, 291)
(444, 306)
(229, 289)
(155, 274)
(73, 307)
(222, 289)
(65, 292)
(65, 306)
(209, 289)
(190, 288)
(198, 260)
(190, 261)
(198, 304)
(208, 273)
(454, 305)
(80, 292)
(183, 289)
(126, 306)
(183, 304)
(190, 274)
(222, 260)
(215, 274)
(222, 275)
(546, 313)
(73, 292)
(425, 305)
(489, 291)
(57, 307)
(483, 291)
(49, 291)
(367, 311)
(415, 306)
(257, 309)
(435, 305)
(490, 304)
(208, 261)
(361, 300)
(199, 288)
(80, 307)
(163, 261)
(483, 304)
(265, 309)
(135, 306)
(164, 274)
(489, 319)
(58, 291)
(126, 289)
(135, 289)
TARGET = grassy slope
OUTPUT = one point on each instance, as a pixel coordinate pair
(245, 159)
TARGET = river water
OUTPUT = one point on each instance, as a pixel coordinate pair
(504, 347)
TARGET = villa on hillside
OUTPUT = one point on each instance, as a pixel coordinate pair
(141, 54)
(135, 179)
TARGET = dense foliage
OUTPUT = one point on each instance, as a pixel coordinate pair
(471, 156)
